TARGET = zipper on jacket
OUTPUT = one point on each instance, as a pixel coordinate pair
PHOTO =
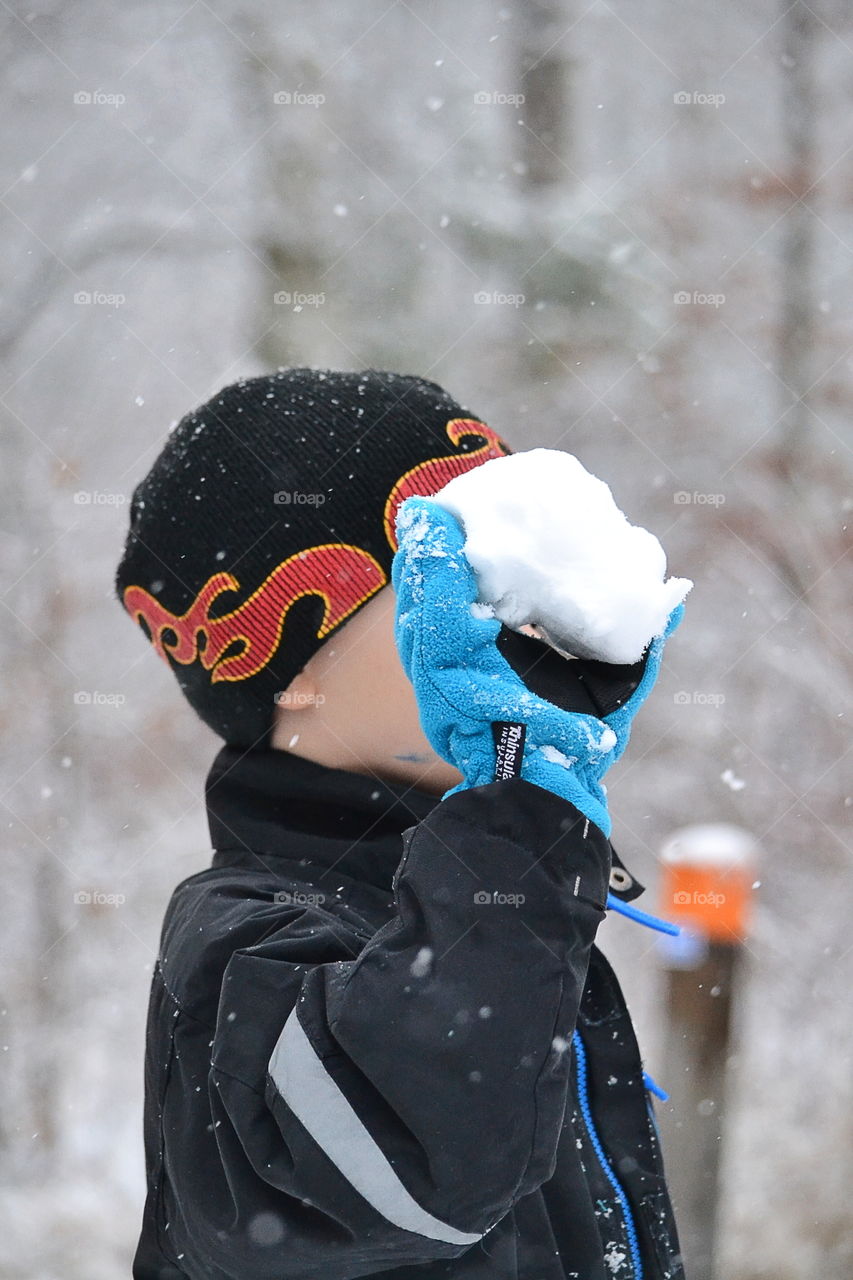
(586, 1112)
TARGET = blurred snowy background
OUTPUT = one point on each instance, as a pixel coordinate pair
(625, 230)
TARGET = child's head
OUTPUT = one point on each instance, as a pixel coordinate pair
(258, 559)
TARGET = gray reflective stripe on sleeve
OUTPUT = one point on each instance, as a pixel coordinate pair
(322, 1108)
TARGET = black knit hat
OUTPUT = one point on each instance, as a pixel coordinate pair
(268, 520)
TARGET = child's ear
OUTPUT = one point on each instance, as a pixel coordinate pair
(302, 692)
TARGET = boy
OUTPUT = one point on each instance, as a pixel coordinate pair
(380, 1038)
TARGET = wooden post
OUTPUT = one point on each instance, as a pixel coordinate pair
(708, 872)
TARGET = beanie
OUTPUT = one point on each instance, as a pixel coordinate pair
(267, 521)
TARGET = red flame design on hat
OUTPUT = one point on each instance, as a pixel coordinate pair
(341, 575)
(428, 477)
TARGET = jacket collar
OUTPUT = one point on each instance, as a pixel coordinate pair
(277, 805)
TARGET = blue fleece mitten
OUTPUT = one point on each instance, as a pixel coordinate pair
(465, 686)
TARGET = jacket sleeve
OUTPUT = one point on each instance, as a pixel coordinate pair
(390, 1107)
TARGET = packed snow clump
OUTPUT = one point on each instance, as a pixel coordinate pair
(551, 550)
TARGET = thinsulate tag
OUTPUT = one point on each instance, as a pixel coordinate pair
(509, 745)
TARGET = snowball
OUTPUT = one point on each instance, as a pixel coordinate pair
(551, 550)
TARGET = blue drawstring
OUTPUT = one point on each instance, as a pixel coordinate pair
(642, 917)
(655, 1088)
(652, 922)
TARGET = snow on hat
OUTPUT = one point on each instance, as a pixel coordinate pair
(267, 521)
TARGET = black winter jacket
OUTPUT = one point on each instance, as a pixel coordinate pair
(381, 1041)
